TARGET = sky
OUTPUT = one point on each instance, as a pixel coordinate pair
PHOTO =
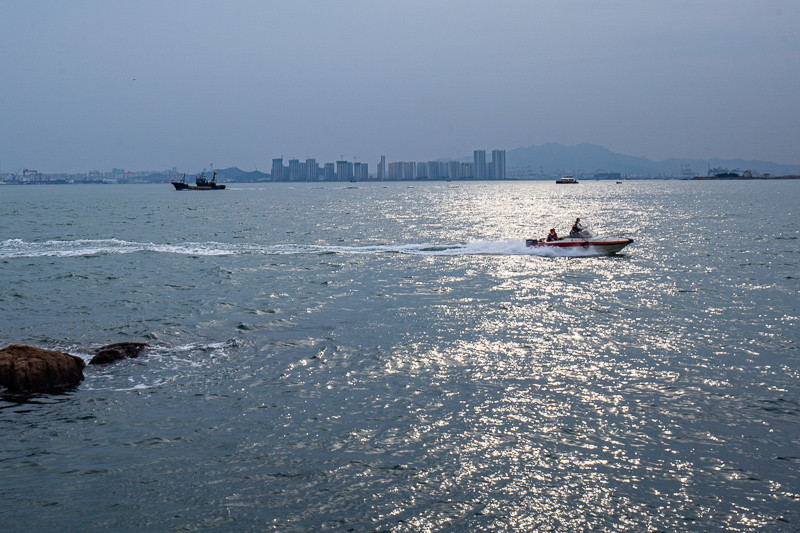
(151, 85)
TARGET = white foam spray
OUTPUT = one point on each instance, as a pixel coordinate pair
(17, 248)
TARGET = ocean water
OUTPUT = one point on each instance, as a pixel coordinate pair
(390, 357)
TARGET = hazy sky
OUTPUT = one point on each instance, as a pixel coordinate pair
(147, 85)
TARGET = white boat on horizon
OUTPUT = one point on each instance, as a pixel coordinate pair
(567, 179)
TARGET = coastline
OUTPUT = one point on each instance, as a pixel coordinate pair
(739, 178)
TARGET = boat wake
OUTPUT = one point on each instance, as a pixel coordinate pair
(18, 248)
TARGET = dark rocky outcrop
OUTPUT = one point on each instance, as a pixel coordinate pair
(26, 369)
(115, 352)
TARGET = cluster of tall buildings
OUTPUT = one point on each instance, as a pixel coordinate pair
(310, 170)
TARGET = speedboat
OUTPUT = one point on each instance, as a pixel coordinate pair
(587, 241)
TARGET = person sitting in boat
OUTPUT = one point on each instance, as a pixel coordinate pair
(552, 236)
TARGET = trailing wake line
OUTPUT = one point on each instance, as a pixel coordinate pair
(17, 248)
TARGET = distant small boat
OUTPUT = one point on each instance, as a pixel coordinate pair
(567, 179)
(201, 184)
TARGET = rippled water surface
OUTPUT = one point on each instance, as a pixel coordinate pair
(390, 357)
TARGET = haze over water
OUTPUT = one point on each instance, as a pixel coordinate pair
(390, 357)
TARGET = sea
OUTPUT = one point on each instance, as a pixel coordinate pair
(391, 357)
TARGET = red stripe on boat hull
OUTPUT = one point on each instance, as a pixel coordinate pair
(607, 247)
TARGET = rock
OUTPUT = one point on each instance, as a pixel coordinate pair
(115, 352)
(31, 369)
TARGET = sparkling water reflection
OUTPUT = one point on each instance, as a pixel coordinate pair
(390, 357)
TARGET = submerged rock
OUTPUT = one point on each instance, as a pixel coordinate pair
(31, 369)
(115, 352)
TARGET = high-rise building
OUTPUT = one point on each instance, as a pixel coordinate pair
(453, 168)
(312, 169)
(422, 170)
(434, 173)
(479, 159)
(329, 172)
(295, 172)
(468, 170)
(499, 163)
(382, 169)
(277, 169)
(409, 171)
(361, 171)
(344, 171)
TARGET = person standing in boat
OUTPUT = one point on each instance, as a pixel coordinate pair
(577, 228)
(552, 236)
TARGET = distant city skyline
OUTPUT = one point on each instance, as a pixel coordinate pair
(534, 162)
(309, 170)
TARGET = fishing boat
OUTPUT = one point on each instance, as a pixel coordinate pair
(567, 179)
(201, 184)
(587, 241)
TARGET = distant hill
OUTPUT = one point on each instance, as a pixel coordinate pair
(237, 175)
(589, 158)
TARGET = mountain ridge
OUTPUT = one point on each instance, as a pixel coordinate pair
(590, 158)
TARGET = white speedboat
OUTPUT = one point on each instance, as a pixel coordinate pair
(587, 241)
